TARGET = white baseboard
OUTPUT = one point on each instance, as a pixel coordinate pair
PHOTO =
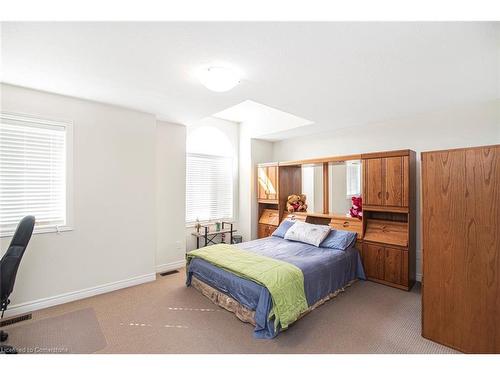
(170, 266)
(27, 307)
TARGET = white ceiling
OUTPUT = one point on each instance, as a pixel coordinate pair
(334, 74)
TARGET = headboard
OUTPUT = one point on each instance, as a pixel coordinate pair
(338, 222)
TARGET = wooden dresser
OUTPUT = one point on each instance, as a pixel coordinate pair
(461, 248)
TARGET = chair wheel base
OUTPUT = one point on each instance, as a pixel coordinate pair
(3, 336)
(7, 349)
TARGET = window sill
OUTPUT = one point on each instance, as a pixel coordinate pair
(65, 228)
(202, 223)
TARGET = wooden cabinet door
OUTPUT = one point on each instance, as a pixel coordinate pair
(404, 268)
(393, 259)
(393, 181)
(373, 182)
(386, 181)
(264, 230)
(373, 259)
(261, 231)
(406, 182)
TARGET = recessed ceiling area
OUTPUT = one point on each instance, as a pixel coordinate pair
(334, 74)
(263, 121)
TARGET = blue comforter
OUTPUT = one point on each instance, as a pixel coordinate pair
(325, 271)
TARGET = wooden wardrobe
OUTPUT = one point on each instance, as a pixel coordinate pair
(389, 206)
(461, 248)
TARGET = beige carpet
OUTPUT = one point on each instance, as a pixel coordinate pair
(166, 317)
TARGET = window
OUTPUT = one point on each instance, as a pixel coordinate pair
(209, 187)
(33, 173)
(353, 178)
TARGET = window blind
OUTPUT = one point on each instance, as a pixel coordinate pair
(209, 187)
(32, 172)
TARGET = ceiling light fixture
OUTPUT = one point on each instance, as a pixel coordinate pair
(218, 78)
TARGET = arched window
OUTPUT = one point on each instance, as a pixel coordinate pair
(209, 175)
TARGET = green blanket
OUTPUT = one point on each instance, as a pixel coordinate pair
(284, 281)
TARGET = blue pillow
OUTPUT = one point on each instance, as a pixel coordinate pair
(283, 228)
(339, 240)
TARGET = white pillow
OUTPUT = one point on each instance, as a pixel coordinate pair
(308, 233)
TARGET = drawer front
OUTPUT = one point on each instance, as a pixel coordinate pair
(270, 217)
(389, 232)
(300, 216)
(348, 224)
(265, 230)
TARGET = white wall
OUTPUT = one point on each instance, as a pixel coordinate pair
(252, 152)
(114, 236)
(245, 185)
(470, 125)
(170, 195)
(261, 152)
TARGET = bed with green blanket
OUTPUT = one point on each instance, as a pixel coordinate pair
(277, 279)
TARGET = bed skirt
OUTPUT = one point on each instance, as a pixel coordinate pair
(243, 313)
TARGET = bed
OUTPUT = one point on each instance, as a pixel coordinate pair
(326, 272)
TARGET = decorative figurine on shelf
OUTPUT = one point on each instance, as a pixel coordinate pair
(197, 225)
(357, 207)
(296, 203)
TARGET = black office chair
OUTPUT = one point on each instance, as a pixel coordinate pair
(8, 269)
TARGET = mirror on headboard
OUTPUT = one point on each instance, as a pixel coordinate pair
(312, 186)
(345, 181)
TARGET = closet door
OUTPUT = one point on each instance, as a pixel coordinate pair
(393, 181)
(373, 182)
(444, 247)
(481, 303)
(461, 248)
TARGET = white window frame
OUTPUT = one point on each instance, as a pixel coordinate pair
(233, 218)
(40, 121)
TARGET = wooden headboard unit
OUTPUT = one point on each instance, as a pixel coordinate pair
(387, 232)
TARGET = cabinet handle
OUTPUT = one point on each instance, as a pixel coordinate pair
(346, 224)
(386, 195)
(379, 195)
